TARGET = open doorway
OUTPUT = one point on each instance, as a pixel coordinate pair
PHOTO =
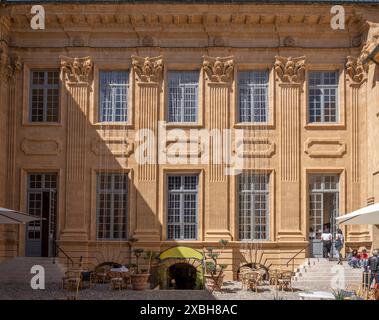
(182, 276)
(323, 210)
(42, 203)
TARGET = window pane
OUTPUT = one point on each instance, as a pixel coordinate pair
(253, 207)
(182, 207)
(112, 206)
(183, 96)
(114, 91)
(253, 96)
(323, 91)
(44, 96)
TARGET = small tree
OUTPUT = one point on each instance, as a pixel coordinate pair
(131, 242)
(137, 253)
(212, 266)
(150, 256)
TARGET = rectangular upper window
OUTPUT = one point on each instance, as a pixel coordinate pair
(44, 96)
(183, 96)
(253, 96)
(182, 207)
(114, 91)
(112, 206)
(323, 96)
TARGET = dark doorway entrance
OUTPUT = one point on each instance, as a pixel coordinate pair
(42, 203)
(182, 276)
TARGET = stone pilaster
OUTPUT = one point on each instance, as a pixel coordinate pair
(290, 77)
(11, 96)
(148, 76)
(356, 77)
(77, 77)
(219, 78)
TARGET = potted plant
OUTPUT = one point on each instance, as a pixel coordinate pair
(139, 280)
(214, 277)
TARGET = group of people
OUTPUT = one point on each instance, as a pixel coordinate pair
(355, 259)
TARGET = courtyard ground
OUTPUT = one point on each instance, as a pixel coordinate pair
(232, 291)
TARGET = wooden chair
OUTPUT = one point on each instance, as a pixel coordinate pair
(72, 280)
(252, 280)
(117, 280)
(285, 280)
(100, 275)
(273, 277)
(243, 270)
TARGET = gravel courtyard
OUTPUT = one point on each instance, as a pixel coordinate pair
(232, 291)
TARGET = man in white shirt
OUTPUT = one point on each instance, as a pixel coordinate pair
(326, 239)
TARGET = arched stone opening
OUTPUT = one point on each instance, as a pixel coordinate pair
(186, 273)
(181, 276)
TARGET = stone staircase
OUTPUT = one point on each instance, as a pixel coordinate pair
(323, 275)
(17, 270)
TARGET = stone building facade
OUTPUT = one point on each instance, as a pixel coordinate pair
(300, 100)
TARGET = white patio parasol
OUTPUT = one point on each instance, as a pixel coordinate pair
(8, 216)
(366, 215)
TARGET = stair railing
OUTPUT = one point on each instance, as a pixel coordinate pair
(58, 249)
(293, 258)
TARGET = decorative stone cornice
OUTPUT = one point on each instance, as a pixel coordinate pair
(356, 71)
(219, 69)
(371, 43)
(77, 70)
(290, 70)
(148, 70)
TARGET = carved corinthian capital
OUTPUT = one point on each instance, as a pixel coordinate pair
(148, 69)
(77, 70)
(218, 69)
(290, 70)
(355, 69)
(371, 43)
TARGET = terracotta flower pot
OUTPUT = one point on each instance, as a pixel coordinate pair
(210, 282)
(139, 281)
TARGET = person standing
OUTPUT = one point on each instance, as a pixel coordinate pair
(339, 244)
(373, 266)
(326, 239)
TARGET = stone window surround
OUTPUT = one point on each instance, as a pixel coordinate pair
(201, 97)
(162, 211)
(341, 172)
(272, 193)
(341, 100)
(270, 123)
(92, 214)
(95, 96)
(26, 95)
(93, 112)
